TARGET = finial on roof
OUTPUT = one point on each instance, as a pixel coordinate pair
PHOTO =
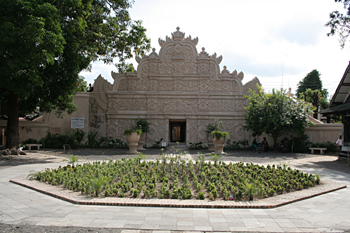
(178, 28)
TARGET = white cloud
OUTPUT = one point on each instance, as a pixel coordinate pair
(268, 39)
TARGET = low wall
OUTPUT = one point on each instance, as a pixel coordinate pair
(324, 132)
(50, 123)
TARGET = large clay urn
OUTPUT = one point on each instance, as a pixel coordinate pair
(210, 141)
(133, 142)
(219, 145)
(141, 142)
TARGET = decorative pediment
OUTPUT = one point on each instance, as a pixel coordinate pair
(178, 61)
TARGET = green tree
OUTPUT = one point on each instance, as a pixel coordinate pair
(318, 98)
(275, 114)
(46, 43)
(339, 23)
(312, 81)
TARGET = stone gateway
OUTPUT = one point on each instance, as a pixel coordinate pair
(179, 91)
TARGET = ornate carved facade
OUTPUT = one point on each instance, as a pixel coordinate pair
(177, 85)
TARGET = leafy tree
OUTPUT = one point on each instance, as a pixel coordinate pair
(340, 23)
(312, 81)
(46, 43)
(275, 114)
(318, 98)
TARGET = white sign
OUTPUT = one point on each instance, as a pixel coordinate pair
(77, 123)
(163, 144)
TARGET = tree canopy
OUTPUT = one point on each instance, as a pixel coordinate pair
(311, 81)
(46, 43)
(339, 23)
(318, 98)
(275, 114)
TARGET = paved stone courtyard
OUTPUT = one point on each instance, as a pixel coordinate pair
(21, 207)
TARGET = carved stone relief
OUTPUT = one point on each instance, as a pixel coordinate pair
(221, 105)
(178, 105)
(179, 83)
(128, 104)
(192, 129)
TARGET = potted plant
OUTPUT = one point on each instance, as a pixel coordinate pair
(133, 137)
(219, 138)
(144, 125)
(217, 125)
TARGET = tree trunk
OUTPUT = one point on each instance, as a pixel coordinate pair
(275, 144)
(12, 136)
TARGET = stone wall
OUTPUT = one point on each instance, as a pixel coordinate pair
(178, 84)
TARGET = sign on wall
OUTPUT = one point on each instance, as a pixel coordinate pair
(77, 123)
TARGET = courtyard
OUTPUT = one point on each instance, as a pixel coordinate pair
(26, 210)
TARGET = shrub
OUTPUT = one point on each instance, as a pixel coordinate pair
(143, 123)
(157, 144)
(299, 144)
(220, 134)
(329, 145)
(197, 145)
(109, 142)
(200, 196)
(240, 145)
(217, 125)
(92, 140)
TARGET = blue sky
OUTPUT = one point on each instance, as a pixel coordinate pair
(278, 41)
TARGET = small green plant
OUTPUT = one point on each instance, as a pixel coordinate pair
(217, 125)
(92, 139)
(215, 157)
(197, 145)
(72, 159)
(220, 134)
(200, 196)
(133, 129)
(157, 144)
(143, 123)
(97, 184)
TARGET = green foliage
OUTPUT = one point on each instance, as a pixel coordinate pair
(42, 58)
(57, 141)
(176, 179)
(299, 144)
(134, 128)
(329, 145)
(157, 144)
(217, 125)
(215, 157)
(197, 145)
(200, 196)
(220, 134)
(110, 142)
(240, 145)
(72, 159)
(275, 114)
(311, 81)
(30, 141)
(97, 184)
(318, 98)
(143, 123)
(79, 135)
(92, 139)
(339, 23)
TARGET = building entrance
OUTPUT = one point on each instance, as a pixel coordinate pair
(177, 130)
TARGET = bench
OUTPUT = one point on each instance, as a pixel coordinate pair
(322, 150)
(29, 146)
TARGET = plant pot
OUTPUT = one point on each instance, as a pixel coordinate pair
(219, 145)
(133, 141)
(141, 142)
(210, 142)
